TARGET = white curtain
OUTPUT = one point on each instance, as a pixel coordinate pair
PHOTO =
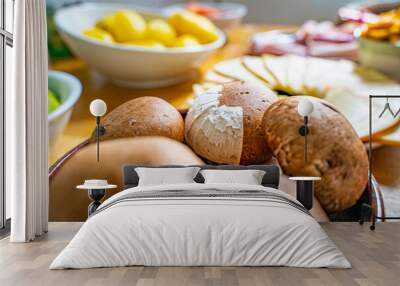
(26, 124)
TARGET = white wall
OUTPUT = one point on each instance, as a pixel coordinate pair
(266, 11)
(291, 11)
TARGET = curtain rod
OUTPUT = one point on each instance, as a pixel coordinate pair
(384, 96)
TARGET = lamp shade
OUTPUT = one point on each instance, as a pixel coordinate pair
(98, 107)
(305, 107)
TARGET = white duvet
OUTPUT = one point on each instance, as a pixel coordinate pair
(202, 231)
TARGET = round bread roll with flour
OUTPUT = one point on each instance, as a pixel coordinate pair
(335, 152)
(224, 123)
(143, 116)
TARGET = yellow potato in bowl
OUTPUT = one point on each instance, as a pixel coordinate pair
(128, 26)
(160, 30)
(106, 23)
(99, 34)
(185, 22)
(186, 41)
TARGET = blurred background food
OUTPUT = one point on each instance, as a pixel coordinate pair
(379, 42)
(319, 39)
(386, 27)
(224, 15)
(57, 48)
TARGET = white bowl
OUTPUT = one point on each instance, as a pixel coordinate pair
(129, 65)
(68, 88)
(231, 15)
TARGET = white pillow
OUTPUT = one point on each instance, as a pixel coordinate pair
(248, 177)
(165, 176)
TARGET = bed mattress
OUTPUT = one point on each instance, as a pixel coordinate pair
(201, 225)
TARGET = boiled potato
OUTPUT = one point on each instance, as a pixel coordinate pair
(186, 22)
(128, 26)
(99, 34)
(186, 41)
(106, 23)
(183, 29)
(160, 30)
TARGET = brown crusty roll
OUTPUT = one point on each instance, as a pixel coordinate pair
(335, 152)
(143, 116)
(224, 123)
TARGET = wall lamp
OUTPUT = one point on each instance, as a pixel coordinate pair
(98, 108)
(305, 108)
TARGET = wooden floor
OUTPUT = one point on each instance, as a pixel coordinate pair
(375, 257)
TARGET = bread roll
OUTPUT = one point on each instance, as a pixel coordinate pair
(143, 116)
(224, 123)
(335, 152)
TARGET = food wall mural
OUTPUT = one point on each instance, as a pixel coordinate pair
(192, 84)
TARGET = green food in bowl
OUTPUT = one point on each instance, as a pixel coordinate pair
(53, 101)
(380, 55)
(67, 89)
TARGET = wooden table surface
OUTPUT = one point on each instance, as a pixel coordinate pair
(95, 86)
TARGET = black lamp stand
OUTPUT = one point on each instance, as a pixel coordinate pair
(100, 130)
(95, 195)
(305, 185)
(305, 193)
(304, 131)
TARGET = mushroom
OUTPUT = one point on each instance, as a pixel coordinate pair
(224, 123)
(335, 152)
(143, 116)
(68, 204)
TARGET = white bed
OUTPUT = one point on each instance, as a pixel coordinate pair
(222, 225)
